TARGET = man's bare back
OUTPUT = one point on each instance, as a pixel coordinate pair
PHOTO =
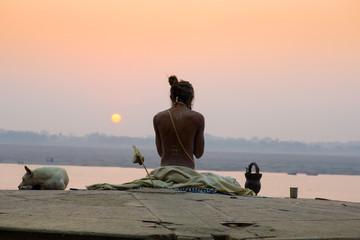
(190, 128)
(179, 149)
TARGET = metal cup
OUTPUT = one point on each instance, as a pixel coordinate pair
(293, 192)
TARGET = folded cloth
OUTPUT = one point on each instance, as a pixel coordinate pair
(180, 177)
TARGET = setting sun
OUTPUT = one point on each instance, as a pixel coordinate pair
(116, 118)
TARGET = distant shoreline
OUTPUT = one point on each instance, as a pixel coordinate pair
(291, 163)
(213, 143)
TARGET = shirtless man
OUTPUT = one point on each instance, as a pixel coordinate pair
(178, 146)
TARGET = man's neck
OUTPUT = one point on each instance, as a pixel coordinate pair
(179, 104)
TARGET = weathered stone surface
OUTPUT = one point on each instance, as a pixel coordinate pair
(166, 214)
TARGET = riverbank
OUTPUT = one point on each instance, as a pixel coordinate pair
(334, 187)
(167, 214)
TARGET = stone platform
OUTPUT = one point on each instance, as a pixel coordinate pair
(167, 214)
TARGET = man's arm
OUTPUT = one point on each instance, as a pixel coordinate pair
(157, 135)
(199, 143)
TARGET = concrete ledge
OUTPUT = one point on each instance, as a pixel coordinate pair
(166, 214)
(31, 234)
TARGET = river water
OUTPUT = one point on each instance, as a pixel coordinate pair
(333, 187)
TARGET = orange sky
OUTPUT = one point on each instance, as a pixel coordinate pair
(281, 69)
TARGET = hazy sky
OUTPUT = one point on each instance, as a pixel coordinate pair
(266, 68)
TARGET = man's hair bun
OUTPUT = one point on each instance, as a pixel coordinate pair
(173, 81)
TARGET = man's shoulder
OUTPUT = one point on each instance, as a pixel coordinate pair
(197, 114)
(160, 115)
(190, 113)
(196, 117)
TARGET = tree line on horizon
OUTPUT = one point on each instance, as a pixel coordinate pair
(212, 143)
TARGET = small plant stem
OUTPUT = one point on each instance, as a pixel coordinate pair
(147, 172)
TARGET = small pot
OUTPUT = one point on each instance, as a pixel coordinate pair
(253, 179)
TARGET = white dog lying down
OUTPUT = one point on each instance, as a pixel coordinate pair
(44, 178)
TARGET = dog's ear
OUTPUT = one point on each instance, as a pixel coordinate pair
(28, 171)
